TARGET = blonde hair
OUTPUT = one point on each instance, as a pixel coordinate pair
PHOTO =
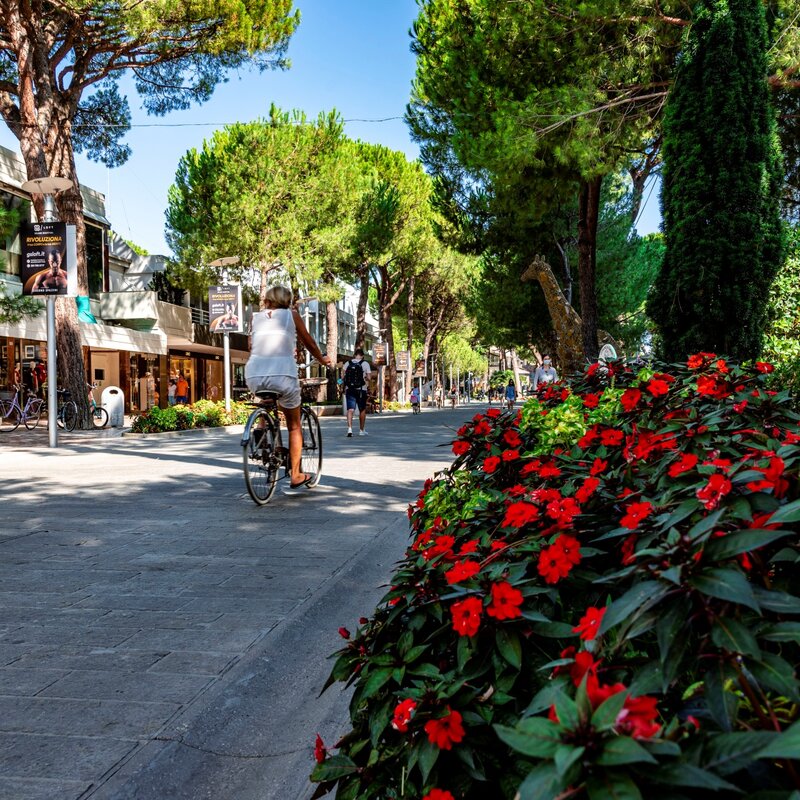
(279, 296)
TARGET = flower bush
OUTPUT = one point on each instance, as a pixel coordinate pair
(202, 414)
(596, 603)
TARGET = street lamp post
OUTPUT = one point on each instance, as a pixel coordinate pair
(48, 187)
(224, 262)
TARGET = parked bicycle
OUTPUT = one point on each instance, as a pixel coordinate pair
(99, 414)
(67, 414)
(13, 412)
(264, 455)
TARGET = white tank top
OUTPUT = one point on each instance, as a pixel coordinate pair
(274, 342)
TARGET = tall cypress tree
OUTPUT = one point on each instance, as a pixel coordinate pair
(721, 188)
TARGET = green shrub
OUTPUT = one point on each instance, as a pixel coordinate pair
(597, 603)
(202, 414)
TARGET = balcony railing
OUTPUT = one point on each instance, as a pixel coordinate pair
(199, 316)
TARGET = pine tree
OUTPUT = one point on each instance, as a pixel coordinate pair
(721, 191)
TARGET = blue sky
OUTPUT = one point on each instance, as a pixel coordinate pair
(352, 55)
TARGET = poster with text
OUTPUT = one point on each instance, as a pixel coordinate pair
(225, 308)
(48, 264)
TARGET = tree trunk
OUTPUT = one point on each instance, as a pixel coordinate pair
(589, 211)
(361, 310)
(410, 335)
(332, 345)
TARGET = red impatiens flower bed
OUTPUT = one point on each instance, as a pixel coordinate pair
(597, 602)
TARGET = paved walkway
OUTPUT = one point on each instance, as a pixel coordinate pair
(163, 637)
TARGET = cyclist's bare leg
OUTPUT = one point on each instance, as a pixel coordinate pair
(295, 444)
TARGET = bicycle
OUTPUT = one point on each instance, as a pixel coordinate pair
(67, 413)
(264, 454)
(99, 414)
(12, 412)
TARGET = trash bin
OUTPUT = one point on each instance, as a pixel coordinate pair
(113, 401)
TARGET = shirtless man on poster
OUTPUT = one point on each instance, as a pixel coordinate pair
(54, 278)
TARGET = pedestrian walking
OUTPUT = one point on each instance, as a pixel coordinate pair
(511, 394)
(544, 374)
(355, 379)
(182, 390)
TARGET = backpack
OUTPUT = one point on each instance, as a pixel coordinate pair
(354, 376)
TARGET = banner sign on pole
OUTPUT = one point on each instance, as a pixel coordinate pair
(48, 265)
(402, 359)
(225, 308)
(419, 368)
(379, 355)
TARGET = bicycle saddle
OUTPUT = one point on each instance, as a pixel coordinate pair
(265, 395)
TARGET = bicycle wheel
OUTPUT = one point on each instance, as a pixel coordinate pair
(69, 415)
(99, 417)
(9, 416)
(260, 457)
(311, 459)
(33, 413)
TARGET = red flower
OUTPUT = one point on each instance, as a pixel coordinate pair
(629, 549)
(764, 367)
(549, 470)
(716, 488)
(553, 566)
(438, 794)
(462, 571)
(510, 455)
(591, 400)
(402, 715)
(467, 616)
(630, 399)
(588, 488)
(344, 633)
(584, 663)
(468, 547)
(512, 439)
(491, 464)
(589, 623)
(588, 438)
(482, 428)
(686, 462)
(570, 548)
(461, 447)
(319, 750)
(722, 366)
(445, 732)
(563, 510)
(635, 513)
(441, 546)
(740, 407)
(493, 413)
(545, 496)
(695, 362)
(599, 694)
(506, 601)
(638, 716)
(520, 514)
(611, 437)
(598, 466)
(657, 388)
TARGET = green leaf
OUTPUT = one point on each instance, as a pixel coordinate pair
(539, 783)
(728, 634)
(641, 596)
(333, 768)
(428, 753)
(787, 513)
(782, 632)
(509, 646)
(377, 678)
(546, 696)
(721, 703)
(777, 674)
(729, 752)
(426, 670)
(463, 652)
(785, 744)
(685, 774)
(534, 736)
(624, 750)
(741, 542)
(612, 786)
(378, 721)
(414, 653)
(671, 625)
(607, 712)
(554, 630)
(726, 584)
(705, 524)
(567, 711)
(780, 602)
(566, 756)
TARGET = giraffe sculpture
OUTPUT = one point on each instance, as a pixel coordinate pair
(566, 321)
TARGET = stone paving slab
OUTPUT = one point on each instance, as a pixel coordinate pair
(145, 602)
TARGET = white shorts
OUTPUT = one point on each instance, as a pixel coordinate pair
(285, 386)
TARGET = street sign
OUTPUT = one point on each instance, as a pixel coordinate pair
(419, 368)
(225, 308)
(379, 355)
(402, 360)
(48, 265)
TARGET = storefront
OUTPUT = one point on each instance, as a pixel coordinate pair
(205, 372)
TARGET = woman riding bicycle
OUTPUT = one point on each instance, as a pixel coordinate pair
(272, 367)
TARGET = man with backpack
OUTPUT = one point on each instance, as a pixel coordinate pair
(355, 378)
